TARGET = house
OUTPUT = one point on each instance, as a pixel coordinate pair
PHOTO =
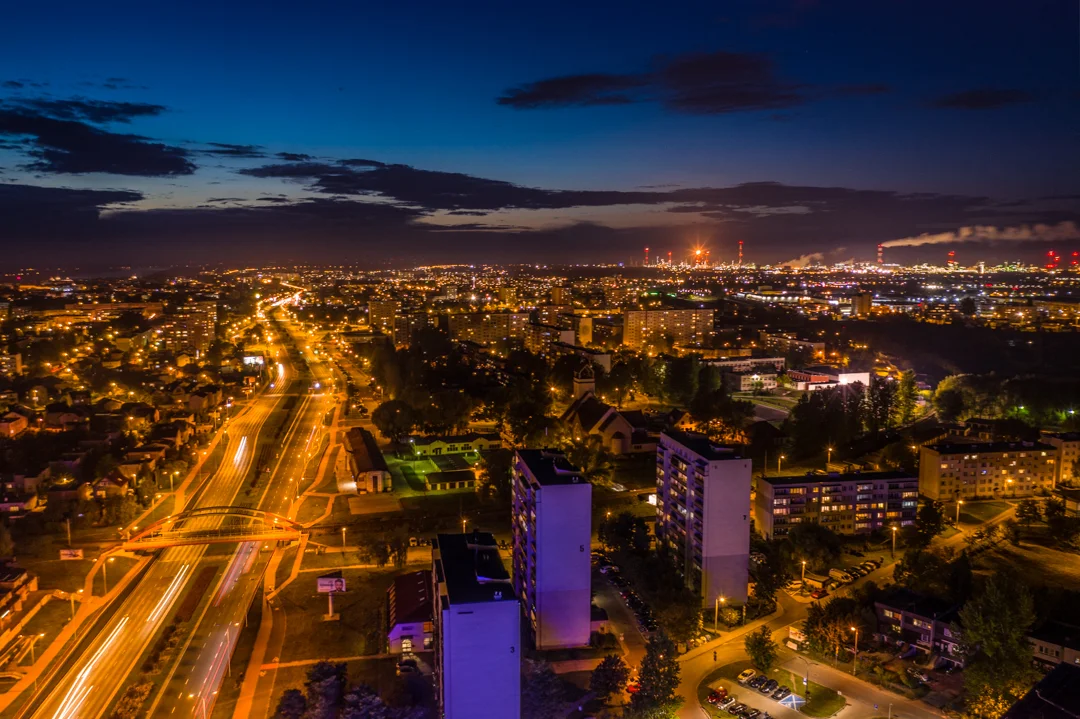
(1056, 696)
(454, 444)
(926, 623)
(366, 462)
(409, 613)
(114, 484)
(12, 425)
(15, 586)
(1070, 498)
(1055, 643)
(621, 432)
(450, 479)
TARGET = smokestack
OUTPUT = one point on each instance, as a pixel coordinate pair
(740, 253)
(707, 262)
(952, 259)
(646, 256)
(669, 258)
(881, 254)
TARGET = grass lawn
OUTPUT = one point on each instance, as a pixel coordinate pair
(117, 568)
(67, 576)
(378, 673)
(311, 509)
(362, 609)
(979, 512)
(49, 620)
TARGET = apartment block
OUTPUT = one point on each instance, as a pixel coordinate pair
(857, 503)
(703, 513)
(487, 328)
(1068, 453)
(539, 337)
(191, 328)
(685, 327)
(747, 364)
(382, 315)
(552, 528)
(477, 636)
(964, 470)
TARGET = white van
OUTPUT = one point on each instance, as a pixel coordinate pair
(841, 576)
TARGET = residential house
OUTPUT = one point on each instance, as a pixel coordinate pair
(409, 613)
(926, 623)
(366, 462)
(454, 444)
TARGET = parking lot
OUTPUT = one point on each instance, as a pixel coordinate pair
(752, 696)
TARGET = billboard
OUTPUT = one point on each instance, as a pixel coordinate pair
(71, 554)
(330, 584)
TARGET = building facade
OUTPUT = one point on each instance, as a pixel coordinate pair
(965, 470)
(684, 327)
(487, 328)
(857, 503)
(703, 513)
(552, 529)
(191, 328)
(749, 381)
(366, 462)
(477, 630)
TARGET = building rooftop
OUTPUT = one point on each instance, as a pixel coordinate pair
(455, 438)
(1053, 632)
(923, 606)
(408, 599)
(361, 444)
(954, 447)
(1056, 696)
(833, 477)
(470, 567)
(550, 467)
(701, 445)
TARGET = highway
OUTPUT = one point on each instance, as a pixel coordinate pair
(90, 683)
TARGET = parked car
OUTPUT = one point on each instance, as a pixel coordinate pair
(746, 676)
(725, 703)
(757, 682)
(407, 666)
(736, 709)
(781, 693)
(717, 695)
(840, 575)
(752, 714)
(769, 687)
(633, 687)
(819, 593)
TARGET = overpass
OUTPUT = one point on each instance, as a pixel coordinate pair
(215, 525)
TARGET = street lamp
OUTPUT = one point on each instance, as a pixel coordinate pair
(343, 539)
(828, 456)
(959, 503)
(855, 659)
(716, 610)
(105, 575)
(779, 459)
(71, 598)
(893, 553)
(803, 570)
(463, 525)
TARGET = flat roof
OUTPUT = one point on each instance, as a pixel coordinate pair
(834, 477)
(701, 445)
(471, 568)
(365, 451)
(550, 467)
(979, 447)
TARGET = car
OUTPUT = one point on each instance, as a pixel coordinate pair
(717, 695)
(633, 687)
(769, 687)
(616, 487)
(794, 585)
(407, 666)
(758, 682)
(736, 709)
(746, 676)
(856, 553)
(752, 714)
(781, 693)
(918, 674)
(725, 703)
(819, 593)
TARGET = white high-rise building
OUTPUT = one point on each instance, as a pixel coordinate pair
(552, 527)
(703, 514)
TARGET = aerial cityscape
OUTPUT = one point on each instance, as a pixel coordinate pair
(540, 362)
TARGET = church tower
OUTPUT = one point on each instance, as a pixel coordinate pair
(584, 381)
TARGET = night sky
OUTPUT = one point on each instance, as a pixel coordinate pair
(402, 133)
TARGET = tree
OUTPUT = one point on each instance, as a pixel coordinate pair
(1027, 511)
(541, 691)
(609, 677)
(7, 544)
(760, 646)
(395, 419)
(818, 544)
(929, 522)
(325, 688)
(292, 705)
(590, 456)
(681, 619)
(659, 679)
(495, 467)
(967, 306)
(996, 622)
(907, 395)
(949, 403)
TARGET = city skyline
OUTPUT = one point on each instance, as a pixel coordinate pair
(809, 130)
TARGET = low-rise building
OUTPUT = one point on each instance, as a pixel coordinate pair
(408, 612)
(747, 364)
(856, 503)
(454, 444)
(925, 623)
(1068, 448)
(366, 462)
(477, 630)
(749, 381)
(13, 424)
(954, 470)
(1056, 643)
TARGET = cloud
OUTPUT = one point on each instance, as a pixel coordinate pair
(11, 85)
(1062, 231)
(293, 156)
(61, 137)
(227, 149)
(99, 112)
(574, 90)
(814, 258)
(985, 98)
(699, 83)
(28, 212)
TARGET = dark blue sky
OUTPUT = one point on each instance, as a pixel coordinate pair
(497, 131)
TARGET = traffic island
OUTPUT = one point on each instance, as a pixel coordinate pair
(819, 702)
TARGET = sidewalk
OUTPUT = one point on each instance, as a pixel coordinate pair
(868, 695)
(732, 635)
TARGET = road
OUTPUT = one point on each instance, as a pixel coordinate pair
(90, 683)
